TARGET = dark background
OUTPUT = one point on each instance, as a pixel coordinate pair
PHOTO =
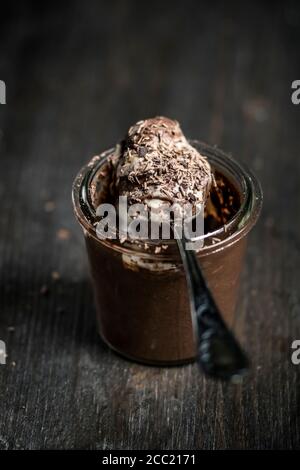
(77, 75)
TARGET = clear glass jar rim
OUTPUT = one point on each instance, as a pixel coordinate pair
(241, 222)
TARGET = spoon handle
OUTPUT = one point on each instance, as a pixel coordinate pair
(219, 354)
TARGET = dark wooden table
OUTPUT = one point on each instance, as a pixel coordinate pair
(77, 76)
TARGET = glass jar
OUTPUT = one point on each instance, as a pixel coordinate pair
(141, 296)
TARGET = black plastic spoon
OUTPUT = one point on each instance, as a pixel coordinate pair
(219, 354)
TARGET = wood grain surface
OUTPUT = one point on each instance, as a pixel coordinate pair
(77, 76)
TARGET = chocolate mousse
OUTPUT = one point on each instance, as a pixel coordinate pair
(140, 288)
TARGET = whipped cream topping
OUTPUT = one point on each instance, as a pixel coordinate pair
(155, 162)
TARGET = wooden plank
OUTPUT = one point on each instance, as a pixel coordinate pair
(76, 78)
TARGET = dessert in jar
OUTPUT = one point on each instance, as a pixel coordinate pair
(140, 288)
